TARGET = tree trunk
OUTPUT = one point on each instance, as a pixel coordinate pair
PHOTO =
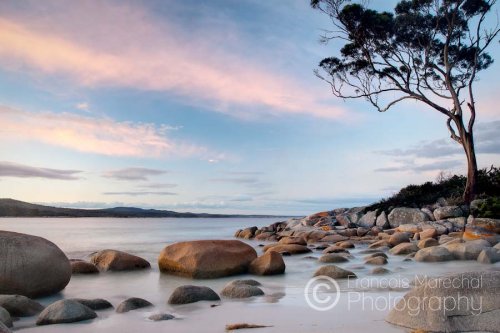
(470, 152)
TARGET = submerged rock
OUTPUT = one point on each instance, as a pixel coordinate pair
(31, 266)
(241, 289)
(334, 272)
(113, 260)
(65, 311)
(94, 304)
(458, 303)
(489, 256)
(290, 248)
(132, 303)
(20, 306)
(378, 260)
(207, 259)
(331, 258)
(161, 317)
(83, 267)
(191, 294)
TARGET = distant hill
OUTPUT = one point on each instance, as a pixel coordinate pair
(15, 208)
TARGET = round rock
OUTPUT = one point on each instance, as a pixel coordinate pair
(334, 272)
(132, 303)
(65, 311)
(191, 294)
(112, 260)
(270, 263)
(31, 266)
(20, 306)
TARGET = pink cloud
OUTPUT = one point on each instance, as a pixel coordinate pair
(116, 45)
(95, 135)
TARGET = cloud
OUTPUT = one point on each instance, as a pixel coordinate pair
(158, 185)
(83, 106)
(139, 193)
(235, 180)
(133, 173)
(100, 135)
(9, 169)
(412, 166)
(487, 141)
(141, 51)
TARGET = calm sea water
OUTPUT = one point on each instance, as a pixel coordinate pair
(284, 307)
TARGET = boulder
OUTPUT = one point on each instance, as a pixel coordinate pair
(334, 238)
(346, 245)
(375, 254)
(403, 215)
(428, 213)
(65, 311)
(379, 244)
(481, 228)
(20, 306)
(434, 254)
(427, 242)
(368, 220)
(241, 289)
(335, 249)
(94, 304)
(442, 213)
(380, 271)
(376, 261)
(5, 317)
(83, 267)
(132, 303)
(161, 317)
(247, 233)
(459, 303)
(112, 260)
(467, 250)
(398, 238)
(293, 240)
(382, 222)
(411, 228)
(191, 294)
(332, 258)
(207, 259)
(489, 256)
(266, 236)
(428, 233)
(270, 263)
(290, 248)
(360, 231)
(334, 272)
(404, 248)
(31, 266)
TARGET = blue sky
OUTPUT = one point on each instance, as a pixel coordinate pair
(202, 106)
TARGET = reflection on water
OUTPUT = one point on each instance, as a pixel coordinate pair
(283, 307)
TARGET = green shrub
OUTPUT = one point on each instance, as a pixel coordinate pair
(489, 208)
(450, 188)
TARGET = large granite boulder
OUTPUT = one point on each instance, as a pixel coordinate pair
(382, 221)
(442, 213)
(434, 254)
(65, 311)
(481, 228)
(31, 266)
(467, 302)
(191, 294)
(207, 259)
(113, 260)
(469, 250)
(368, 220)
(270, 263)
(403, 215)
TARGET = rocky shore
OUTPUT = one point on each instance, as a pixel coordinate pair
(32, 267)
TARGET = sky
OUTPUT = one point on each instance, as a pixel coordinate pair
(203, 106)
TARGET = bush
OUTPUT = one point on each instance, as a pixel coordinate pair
(489, 208)
(450, 188)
